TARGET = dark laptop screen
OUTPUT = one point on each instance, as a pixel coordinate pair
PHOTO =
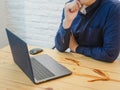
(20, 53)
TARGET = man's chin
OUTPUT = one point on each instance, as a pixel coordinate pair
(87, 2)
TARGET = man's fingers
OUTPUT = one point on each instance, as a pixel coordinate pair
(74, 6)
(78, 4)
(72, 9)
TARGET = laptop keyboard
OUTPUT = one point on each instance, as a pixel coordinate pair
(39, 71)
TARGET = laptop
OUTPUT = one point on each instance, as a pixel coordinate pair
(40, 68)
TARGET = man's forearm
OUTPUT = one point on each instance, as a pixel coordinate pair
(62, 39)
(66, 24)
(99, 53)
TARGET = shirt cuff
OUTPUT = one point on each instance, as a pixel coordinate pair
(64, 31)
(80, 50)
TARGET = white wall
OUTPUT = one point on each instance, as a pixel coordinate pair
(3, 40)
(35, 21)
(16, 17)
(42, 21)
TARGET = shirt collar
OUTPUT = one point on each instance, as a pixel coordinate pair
(84, 10)
(93, 7)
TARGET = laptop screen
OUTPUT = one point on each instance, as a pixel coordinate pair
(20, 53)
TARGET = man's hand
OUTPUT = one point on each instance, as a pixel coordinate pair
(73, 44)
(71, 10)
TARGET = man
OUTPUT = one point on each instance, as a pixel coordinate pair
(92, 28)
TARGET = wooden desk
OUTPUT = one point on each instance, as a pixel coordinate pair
(85, 73)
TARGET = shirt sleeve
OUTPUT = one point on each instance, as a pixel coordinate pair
(111, 40)
(62, 37)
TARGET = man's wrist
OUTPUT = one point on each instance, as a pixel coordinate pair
(75, 47)
(66, 24)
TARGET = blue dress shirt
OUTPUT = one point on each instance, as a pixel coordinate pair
(97, 32)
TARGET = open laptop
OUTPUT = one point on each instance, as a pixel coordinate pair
(39, 68)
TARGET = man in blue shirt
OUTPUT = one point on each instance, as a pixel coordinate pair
(92, 28)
